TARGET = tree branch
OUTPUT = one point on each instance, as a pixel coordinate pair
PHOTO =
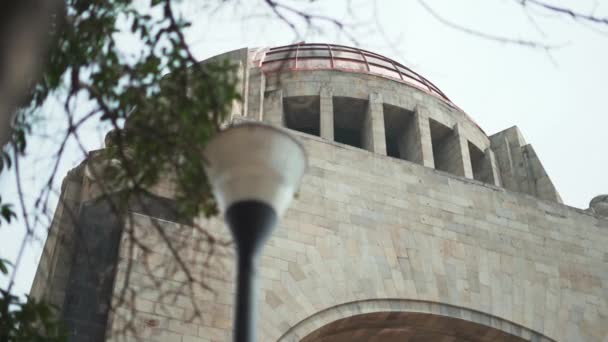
(501, 39)
(565, 11)
(307, 17)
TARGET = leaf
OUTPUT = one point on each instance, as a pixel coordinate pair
(135, 25)
(5, 160)
(7, 212)
(3, 266)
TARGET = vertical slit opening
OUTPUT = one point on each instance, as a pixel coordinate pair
(481, 171)
(302, 113)
(400, 139)
(443, 153)
(349, 118)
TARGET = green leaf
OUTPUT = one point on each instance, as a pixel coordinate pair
(7, 212)
(135, 25)
(3, 266)
(5, 160)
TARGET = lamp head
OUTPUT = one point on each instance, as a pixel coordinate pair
(255, 162)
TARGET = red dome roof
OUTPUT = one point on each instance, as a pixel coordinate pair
(339, 57)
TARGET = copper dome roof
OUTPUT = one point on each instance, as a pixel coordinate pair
(316, 56)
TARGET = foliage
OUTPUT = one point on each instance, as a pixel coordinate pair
(162, 104)
(6, 209)
(27, 321)
(170, 118)
(86, 60)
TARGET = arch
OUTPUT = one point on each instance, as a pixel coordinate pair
(406, 320)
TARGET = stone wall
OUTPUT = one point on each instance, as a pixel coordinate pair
(53, 270)
(508, 160)
(368, 227)
(367, 234)
(520, 167)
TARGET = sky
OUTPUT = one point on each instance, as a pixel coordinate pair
(557, 97)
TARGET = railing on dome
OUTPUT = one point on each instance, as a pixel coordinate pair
(329, 56)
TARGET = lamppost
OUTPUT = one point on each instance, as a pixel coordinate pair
(254, 170)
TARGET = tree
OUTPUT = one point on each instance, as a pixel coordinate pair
(161, 89)
(173, 105)
(27, 321)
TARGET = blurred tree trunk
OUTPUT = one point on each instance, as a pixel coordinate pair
(25, 32)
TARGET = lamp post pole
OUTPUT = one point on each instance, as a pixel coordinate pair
(254, 170)
(251, 222)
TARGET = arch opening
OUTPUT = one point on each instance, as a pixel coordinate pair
(407, 327)
(349, 121)
(302, 113)
(409, 320)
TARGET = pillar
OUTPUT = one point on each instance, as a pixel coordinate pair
(416, 144)
(273, 108)
(326, 114)
(453, 155)
(374, 139)
(255, 97)
(492, 167)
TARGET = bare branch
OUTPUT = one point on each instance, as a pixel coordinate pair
(501, 39)
(26, 220)
(566, 11)
(309, 18)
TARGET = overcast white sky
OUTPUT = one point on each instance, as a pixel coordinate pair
(557, 100)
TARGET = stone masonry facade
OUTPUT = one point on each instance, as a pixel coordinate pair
(443, 231)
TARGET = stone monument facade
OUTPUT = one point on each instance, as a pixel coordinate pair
(412, 224)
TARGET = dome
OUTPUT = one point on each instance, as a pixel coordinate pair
(314, 56)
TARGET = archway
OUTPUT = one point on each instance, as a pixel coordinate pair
(407, 327)
(391, 320)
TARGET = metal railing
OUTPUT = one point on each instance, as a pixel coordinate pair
(330, 56)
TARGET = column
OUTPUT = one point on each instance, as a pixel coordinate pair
(273, 108)
(453, 154)
(465, 157)
(373, 128)
(326, 114)
(255, 97)
(416, 144)
(492, 167)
